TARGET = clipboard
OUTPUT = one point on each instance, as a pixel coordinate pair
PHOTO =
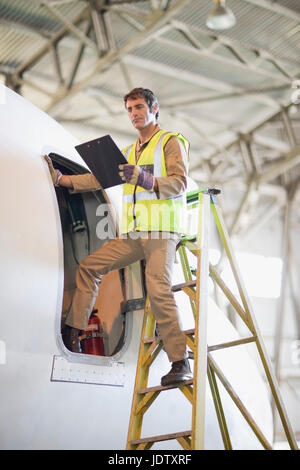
(103, 158)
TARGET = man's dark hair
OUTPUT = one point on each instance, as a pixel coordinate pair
(145, 93)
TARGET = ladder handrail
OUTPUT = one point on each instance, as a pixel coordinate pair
(194, 391)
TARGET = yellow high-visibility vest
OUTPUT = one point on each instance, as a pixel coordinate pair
(142, 210)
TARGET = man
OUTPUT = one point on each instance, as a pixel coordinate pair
(153, 219)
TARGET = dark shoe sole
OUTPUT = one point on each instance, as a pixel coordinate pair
(175, 380)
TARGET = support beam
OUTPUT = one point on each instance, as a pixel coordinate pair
(280, 311)
(291, 261)
(266, 100)
(34, 86)
(247, 93)
(155, 20)
(70, 26)
(197, 49)
(236, 141)
(290, 160)
(12, 83)
(56, 62)
(261, 219)
(168, 71)
(78, 57)
(247, 204)
(289, 129)
(270, 142)
(97, 15)
(249, 158)
(235, 43)
(46, 47)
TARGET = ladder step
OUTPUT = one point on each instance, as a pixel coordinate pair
(160, 388)
(179, 287)
(230, 344)
(214, 347)
(162, 437)
(155, 338)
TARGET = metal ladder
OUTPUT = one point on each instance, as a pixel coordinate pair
(205, 202)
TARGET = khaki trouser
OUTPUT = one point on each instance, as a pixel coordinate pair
(118, 253)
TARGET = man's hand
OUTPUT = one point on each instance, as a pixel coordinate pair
(134, 174)
(55, 174)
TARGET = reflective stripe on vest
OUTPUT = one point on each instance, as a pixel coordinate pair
(142, 210)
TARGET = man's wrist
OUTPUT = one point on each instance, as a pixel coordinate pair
(58, 177)
(154, 186)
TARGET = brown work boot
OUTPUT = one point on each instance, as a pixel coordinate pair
(70, 338)
(180, 372)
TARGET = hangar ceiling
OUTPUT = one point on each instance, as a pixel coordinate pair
(234, 94)
(230, 93)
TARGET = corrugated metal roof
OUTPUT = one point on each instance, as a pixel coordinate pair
(179, 58)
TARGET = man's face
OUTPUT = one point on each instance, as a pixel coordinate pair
(140, 114)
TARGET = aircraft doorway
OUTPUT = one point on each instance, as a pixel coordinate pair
(79, 216)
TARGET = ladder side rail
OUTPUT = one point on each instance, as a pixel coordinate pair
(200, 338)
(231, 258)
(254, 327)
(230, 296)
(141, 379)
(219, 408)
(239, 403)
(186, 270)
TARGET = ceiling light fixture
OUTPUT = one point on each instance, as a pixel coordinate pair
(220, 16)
